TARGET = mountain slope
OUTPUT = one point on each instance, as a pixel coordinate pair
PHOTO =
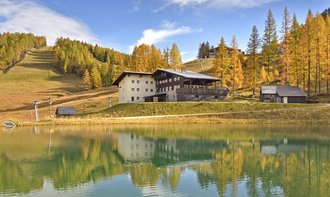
(34, 79)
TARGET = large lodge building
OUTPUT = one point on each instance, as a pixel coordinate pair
(168, 85)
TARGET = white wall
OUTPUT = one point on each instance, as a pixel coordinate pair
(142, 86)
(135, 148)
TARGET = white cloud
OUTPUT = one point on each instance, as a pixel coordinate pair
(168, 29)
(28, 16)
(221, 3)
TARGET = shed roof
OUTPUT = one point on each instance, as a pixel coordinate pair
(290, 91)
(66, 111)
(268, 89)
(121, 77)
(190, 74)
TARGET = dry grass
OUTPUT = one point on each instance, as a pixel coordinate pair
(34, 79)
(196, 65)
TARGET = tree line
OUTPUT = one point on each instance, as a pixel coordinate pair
(13, 46)
(98, 66)
(149, 58)
(299, 57)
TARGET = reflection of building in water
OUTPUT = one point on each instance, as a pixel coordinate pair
(280, 147)
(181, 150)
(135, 148)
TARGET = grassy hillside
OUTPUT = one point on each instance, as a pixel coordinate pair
(34, 79)
(196, 65)
(148, 109)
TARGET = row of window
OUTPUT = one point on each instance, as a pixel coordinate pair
(146, 90)
(137, 154)
(165, 89)
(133, 98)
(138, 81)
(168, 80)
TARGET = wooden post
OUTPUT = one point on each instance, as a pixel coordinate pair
(36, 110)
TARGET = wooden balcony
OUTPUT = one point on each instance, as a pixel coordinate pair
(203, 91)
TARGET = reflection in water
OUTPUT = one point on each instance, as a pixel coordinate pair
(145, 162)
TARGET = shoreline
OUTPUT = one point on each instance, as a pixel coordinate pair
(167, 120)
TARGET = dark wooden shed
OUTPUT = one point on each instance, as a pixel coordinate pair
(65, 111)
(282, 94)
(290, 94)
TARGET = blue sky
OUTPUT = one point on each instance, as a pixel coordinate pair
(123, 24)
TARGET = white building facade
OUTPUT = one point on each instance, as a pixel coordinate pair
(133, 87)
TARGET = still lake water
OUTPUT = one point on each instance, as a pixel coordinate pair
(185, 160)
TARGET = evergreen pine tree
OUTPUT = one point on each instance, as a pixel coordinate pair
(253, 59)
(270, 43)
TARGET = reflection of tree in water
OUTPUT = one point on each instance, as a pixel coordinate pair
(174, 177)
(94, 161)
(303, 173)
(14, 179)
(227, 168)
(144, 174)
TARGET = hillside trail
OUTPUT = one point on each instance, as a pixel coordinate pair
(34, 78)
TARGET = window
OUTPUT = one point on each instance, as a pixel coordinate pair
(138, 98)
(133, 89)
(147, 82)
(170, 80)
(132, 98)
(151, 82)
(197, 96)
(174, 78)
(138, 89)
(147, 89)
(137, 81)
(172, 87)
(133, 81)
(151, 90)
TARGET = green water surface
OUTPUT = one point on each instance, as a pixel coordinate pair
(166, 160)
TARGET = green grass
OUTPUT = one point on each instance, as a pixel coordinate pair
(148, 109)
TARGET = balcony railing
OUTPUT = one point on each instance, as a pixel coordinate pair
(202, 91)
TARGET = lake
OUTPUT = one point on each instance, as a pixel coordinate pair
(166, 160)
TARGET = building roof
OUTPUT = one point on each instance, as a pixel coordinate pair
(283, 90)
(190, 74)
(290, 91)
(121, 77)
(66, 111)
(268, 89)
